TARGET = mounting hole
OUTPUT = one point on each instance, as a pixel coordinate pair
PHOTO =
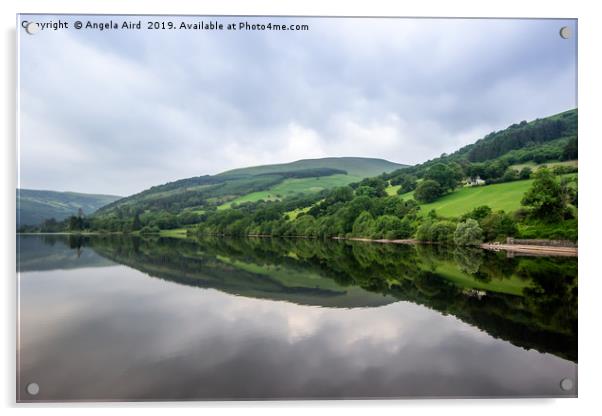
(33, 388)
(566, 384)
(565, 32)
(32, 27)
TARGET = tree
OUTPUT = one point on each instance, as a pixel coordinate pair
(525, 173)
(423, 233)
(438, 231)
(340, 194)
(391, 227)
(364, 225)
(570, 151)
(545, 198)
(475, 170)
(478, 213)
(443, 231)
(468, 233)
(75, 223)
(510, 175)
(494, 169)
(305, 226)
(373, 187)
(407, 183)
(569, 192)
(370, 192)
(427, 191)
(444, 175)
(498, 225)
(136, 223)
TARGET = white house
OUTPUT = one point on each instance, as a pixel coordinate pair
(474, 181)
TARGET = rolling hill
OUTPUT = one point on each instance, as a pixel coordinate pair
(198, 194)
(362, 167)
(35, 206)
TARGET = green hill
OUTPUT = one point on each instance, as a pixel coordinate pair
(355, 166)
(535, 142)
(193, 196)
(35, 206)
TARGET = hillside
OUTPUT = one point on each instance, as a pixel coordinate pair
(500, 196)
(355, 166)
(193, 196)
(552, 138)
(35, 206)
(342, 197)
(494, 177)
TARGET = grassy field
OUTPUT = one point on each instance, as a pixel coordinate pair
(252, 197)
(392, 189)
(501, 196)
(290, 187)
(295, 213)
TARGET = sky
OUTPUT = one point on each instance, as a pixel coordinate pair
(119, 111)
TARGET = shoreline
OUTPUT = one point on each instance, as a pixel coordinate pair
(535, 250)
(383, 240)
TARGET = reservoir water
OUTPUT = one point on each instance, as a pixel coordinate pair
(129, 318)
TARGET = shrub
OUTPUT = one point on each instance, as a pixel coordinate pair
(392, 227)
(363, 226)
(443, 232)
(497, 226)
(545, 197)
(510, 175)
(468, 233)
(564, 169)
(423, 233)
(437, 231)
(477, 213)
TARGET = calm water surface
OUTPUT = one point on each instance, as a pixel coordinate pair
(120, 318)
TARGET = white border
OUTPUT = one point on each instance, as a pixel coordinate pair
(590, 72)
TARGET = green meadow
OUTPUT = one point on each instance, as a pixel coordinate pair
(289, 187)
(502, 196)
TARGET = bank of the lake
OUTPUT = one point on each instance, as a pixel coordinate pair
(539, 250)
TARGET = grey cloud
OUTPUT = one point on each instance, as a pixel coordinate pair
(117, 112)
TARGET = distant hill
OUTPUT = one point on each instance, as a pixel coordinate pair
(355, 166)
(268, 182)
(35, 206)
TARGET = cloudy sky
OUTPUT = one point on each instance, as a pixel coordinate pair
(118, 111)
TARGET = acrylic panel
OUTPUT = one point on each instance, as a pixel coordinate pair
(261, 207)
